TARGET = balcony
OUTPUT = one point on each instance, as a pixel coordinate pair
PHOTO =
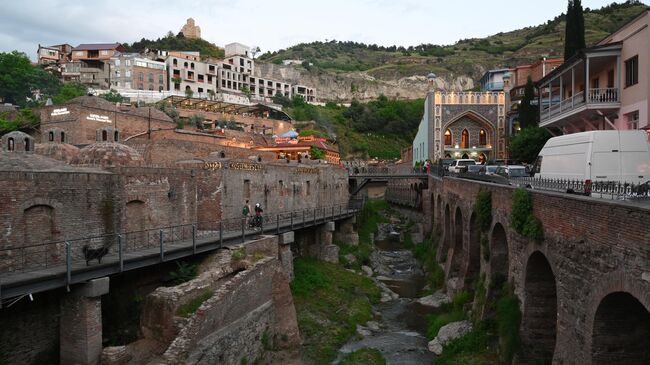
(572, 97)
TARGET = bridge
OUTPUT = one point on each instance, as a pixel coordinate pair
(360, 177)
(38, 268)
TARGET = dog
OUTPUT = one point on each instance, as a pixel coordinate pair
(94, 253)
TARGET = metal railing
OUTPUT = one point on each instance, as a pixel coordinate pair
(600, 189)
(594, 96)
(115, 248)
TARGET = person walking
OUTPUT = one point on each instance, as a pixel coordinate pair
(258, 215)
(246, 211)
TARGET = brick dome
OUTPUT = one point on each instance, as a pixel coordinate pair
(109, 154)
(58, 151)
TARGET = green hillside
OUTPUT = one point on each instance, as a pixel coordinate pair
(178, 42)
(467, 56)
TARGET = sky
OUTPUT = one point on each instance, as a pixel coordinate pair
(269, 24)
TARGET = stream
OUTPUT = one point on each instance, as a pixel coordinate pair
(399, 328)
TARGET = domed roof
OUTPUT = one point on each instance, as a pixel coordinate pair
(431, 76)
(290, 134)
(13, 162)
(58, 151)
(93, 102)
(109, 154)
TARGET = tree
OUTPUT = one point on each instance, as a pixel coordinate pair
(246, 91)
(196, 120)
(113, 96)
(280, 99)
(574, 32)
(20, 81)
(528, 113)
(69, 92)
(189, 93)
(316, 153)
(525, 146)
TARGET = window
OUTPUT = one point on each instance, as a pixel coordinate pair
(140, 86)
(185, 64)
(150, 87)
(104, 52)
(247, 189)
(482, 138)
(104, 136)
(632, 71)
(633, 120)
(175, 62)
(127, 73)
(127, 85)
(160, 88)
(117, 62)
(447, 137)
(27, 146)
(308, 187)
(192, 65)
(141, 76)
(117, 73)
(62, 137)
(127, 63)
(464, 139)
(281, 187)
(150, 77)
(10, 144)
(50, 136)
(160, 79)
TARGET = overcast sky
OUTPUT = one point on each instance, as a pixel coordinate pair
(269, 24)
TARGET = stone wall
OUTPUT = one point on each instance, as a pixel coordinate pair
(593, 249)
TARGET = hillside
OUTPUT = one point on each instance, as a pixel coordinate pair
(346, 70)
(177, 42)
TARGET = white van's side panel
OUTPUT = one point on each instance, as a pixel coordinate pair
(635, 157)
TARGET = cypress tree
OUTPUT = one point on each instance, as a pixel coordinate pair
(527, 111)
(579, 19)
(574, 33)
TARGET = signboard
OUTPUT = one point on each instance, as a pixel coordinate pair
(213, 166)
(99, 118)
(61, 111)
(306, 170)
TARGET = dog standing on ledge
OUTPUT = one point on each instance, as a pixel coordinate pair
(94, 253)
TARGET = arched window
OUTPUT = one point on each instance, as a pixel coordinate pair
(482, 137)
(62, 137)
(10, 144)
(104, 136)
(50, 136)
(117, 136)
(27, 146)
(150, 77)
(192, 65)
(448, 137)
(464, 139)
(185, 64)
(141, 76)
(175, 62)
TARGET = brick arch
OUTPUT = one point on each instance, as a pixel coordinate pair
(473, 268)
(603, 286)
(540, 303)
(458, 256)
(443, 250)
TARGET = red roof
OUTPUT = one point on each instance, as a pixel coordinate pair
(99, 47)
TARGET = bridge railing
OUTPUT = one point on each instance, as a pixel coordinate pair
(602, 189)
(115, 247)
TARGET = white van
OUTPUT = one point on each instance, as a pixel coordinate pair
(622, 156)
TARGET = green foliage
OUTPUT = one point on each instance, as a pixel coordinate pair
(69, 92)
(191, 307)
(369, 218)
(521, 208)
(528, 113)
(177, 43)
(452, 312)
(472, 348)
(24, 118)
(189, 93)
(113, 96)
(361, 254)
(365, 356)
(574, 34)
(485, 247)
(185, 271)
(246, 91)
(533, 228)
(316, 153)
(267, 341)
(196, 120)
(480, 299)
(20, 80)
(280, 99)
(483, 207)
(426, 253)
(508, 320)
(238, 254)
(525, 146)
(311, 132)
(330, 302)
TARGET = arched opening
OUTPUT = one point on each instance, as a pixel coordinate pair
(439, 215)
(446, 243)
(62, 137)
(464, 139)
(50, 136)
(498, 257)
(116, 136)
(447, 155)
(28, 146)
(474, 251)
(104, 136)
(38, 228)
(448, 137)
(465, 156)
(135, 224)
(482, 137)
(10, 144)
(175, 62)
(539, 322)
(458, 255)
(222, 154)
(621, 331)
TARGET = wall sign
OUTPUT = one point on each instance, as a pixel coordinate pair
(306, 170)
(212, 166)
(245, 166)
(99, 118)
(61, 111)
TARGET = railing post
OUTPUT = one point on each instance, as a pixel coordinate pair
(162, 250)
(261, 224)
(193, 239)
(220, 234)
(277, 218)
(68, 265)
(119, 252)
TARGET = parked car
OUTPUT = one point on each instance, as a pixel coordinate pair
(460, 165)
(488, 169)
(445, 163)
(622, 156)
(475, 169)
(512, 171)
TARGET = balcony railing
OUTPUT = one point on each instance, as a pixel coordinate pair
(594, 96)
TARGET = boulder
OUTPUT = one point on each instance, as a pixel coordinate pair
(367, 270)
(435, 300)
(363, 331)
(447, 333)
(115, 355)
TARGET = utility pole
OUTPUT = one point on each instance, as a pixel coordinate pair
(149, 125)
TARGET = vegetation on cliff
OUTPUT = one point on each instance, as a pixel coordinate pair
(171, 42)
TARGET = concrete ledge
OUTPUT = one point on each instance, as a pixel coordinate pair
(287, 238)
(95, 288)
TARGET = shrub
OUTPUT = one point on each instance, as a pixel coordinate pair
(184, 272)
(521, 208)
(483, 208)
(190, 308)
(533, 228)
(508, 320)
(238, 254)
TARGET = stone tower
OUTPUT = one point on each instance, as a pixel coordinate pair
(190, 30)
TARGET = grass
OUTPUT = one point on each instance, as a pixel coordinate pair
(472, 348)
(369, 218)
(364, 357)
(361, 253)
(426, 253)
(452, 312)
(190, 308)
(330, 301)
(238, 254)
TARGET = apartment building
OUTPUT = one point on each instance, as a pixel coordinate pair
(90, 64)
(186, 73)
(307, 93)
(57, 54)
(132, 71)
(606, 86)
